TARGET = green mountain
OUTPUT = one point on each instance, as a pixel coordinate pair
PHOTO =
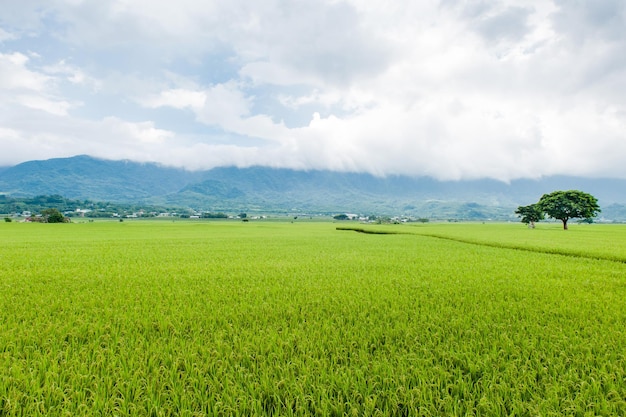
(91, 178)
(262, 189)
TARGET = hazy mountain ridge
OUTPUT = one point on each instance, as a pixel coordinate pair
(86, 177)
(272, 189)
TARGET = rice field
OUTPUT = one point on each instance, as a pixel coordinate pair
(300, 319)
(599, 241)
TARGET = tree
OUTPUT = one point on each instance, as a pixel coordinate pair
(565, 205)
(53, 215)
(530, 214)
(209, 215)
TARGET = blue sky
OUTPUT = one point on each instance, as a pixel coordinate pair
(450, 89)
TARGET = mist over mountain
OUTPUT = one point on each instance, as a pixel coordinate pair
(270, 189)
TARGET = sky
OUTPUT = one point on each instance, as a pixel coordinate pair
(451, 89)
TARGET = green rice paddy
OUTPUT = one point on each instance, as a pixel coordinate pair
(300, 319)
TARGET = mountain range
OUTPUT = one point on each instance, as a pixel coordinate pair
(263, 189)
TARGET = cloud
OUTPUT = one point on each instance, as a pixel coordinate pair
(4, 35)
(586, 20)
(327, 41)
(109, 138)
(31, 89)
(497, 88)
(510, 23)
(14, 74)
(176, 98)
(59, 108)
(71, 74)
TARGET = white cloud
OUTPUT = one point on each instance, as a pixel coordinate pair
(59, 108)
(5, 36)
(110, 138)
(223, 105)
(14, 74)
(454, 89)
(176, 98)
(135, 133)
(71, 74)
(22, 86)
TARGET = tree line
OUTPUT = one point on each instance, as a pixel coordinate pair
(17, 205)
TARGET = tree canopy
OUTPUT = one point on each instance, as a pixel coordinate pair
(565, 205)
(530, 214)
(53, 215)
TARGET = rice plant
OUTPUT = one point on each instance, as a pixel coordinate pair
(262, 318)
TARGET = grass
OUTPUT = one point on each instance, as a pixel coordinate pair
(159, 318)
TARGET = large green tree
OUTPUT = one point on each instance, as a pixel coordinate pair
(530, 214)
(565, 205)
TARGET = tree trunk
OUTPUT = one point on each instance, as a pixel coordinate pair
(564, 224)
